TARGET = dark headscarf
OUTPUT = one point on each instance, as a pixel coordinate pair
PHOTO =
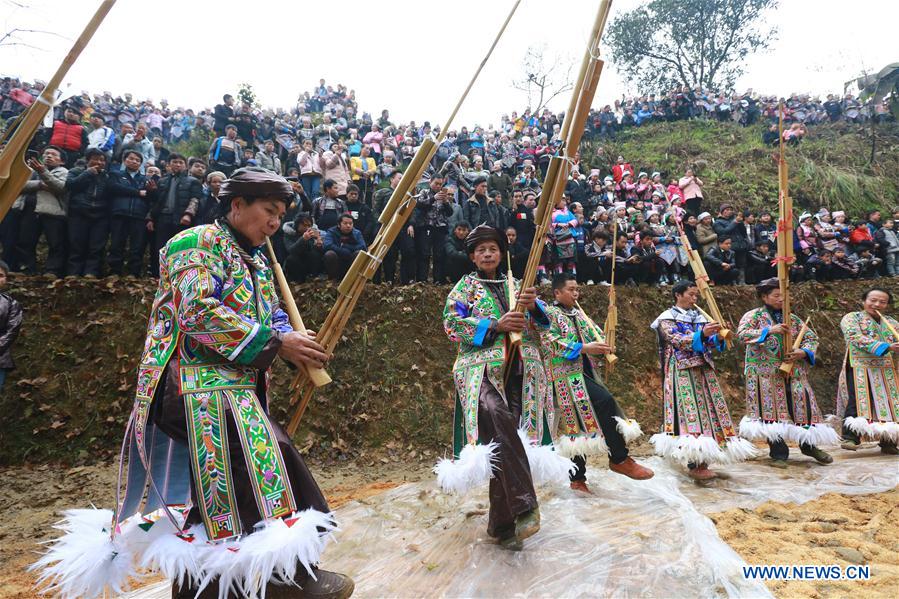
(255, 182)
(482, 233)
(767, 285)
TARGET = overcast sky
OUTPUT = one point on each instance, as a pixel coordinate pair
(411, 56)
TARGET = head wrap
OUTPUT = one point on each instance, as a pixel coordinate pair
(838, 213)
(767, 285)
(255, 182)
(703, 215)
(482, 233)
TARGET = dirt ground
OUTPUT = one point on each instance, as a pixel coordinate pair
(833, 529)
(31, 499)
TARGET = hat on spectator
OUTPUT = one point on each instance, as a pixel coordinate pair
(704, 215)
(837, 213)
(642, 174)
(618, 205)
(594, 172)
(656, 174)
(658, 194)
(804, 216)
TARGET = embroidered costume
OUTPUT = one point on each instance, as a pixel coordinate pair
(779, 409)
(868, 391)
(490, 411)
(697, 427)
(580, 431)
(215, 493)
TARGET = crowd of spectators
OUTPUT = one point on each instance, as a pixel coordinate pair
(110, 188)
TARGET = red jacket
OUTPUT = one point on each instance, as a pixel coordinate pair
(70, 137)
(618, 171)
(860, 234)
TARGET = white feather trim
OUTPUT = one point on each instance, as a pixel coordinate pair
(629, 429)
(818, 435)
(581, 445)
(273, 550)
(473, 468)
(860, 426)
(85, 561)
(739, 450)
(885, 431)
(177, 557)
(688, 449)
(755, 429)
(547, 465)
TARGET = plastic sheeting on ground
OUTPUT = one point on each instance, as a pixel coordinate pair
(631, 539)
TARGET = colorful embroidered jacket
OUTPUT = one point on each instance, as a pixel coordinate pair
(214, 312)
(873, 368)
(690, 387)
(568, 332)
(766, 397)
(470, 309)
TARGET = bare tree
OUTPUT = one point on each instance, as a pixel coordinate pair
(545, 77)
(20, 36)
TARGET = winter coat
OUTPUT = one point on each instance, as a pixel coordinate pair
(10, 322)
(51, 201)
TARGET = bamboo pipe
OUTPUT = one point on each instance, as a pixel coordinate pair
(719, 320)
(14, 172)
(611, 358)
(787, 366)
(785, 233)
(317, 375)
(612, 314)
(351, 288)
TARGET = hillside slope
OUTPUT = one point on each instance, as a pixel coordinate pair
(81, 340)
(829, 168)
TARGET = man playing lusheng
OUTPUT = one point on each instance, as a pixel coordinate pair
(779, 408)
(489, 407)
(217, 497)
(697, 427)
(590, 421)
(868, 391)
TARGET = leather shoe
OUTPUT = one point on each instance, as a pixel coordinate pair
(631, 469)
(527, 524)
(581, 485)
(701, 472)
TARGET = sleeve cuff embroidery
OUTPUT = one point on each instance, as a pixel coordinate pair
(574, 351)
(810, 355)
(764, 335)
(880, 349)
(698, 344)
(481, 332)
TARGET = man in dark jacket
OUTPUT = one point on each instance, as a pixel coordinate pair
(341, 244)
(481, 209)
(720, 262)
(10, 322)
(729, 224)
(458, 264)
(88, 215)
(130, 203)
(404, 244)
(361, 213)
(305, 251)
(521, 217)
(224, 114)
(758, 263)
(429, 223)
(177, 202)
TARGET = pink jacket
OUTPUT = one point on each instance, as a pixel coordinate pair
(374, 139)
(310, 163)
(692, 187)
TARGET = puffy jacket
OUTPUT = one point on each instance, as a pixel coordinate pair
(88, 193)
(733, 229)
(343, 245)
(187, 197)
(51, 201)
(10, 322)
(71, 137)
(706, 237)
(124, 191)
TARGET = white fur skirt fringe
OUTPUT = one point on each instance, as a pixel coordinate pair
(86, 562)
(472, 469)
(874, 430)
(701, 449)
(548, 466)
